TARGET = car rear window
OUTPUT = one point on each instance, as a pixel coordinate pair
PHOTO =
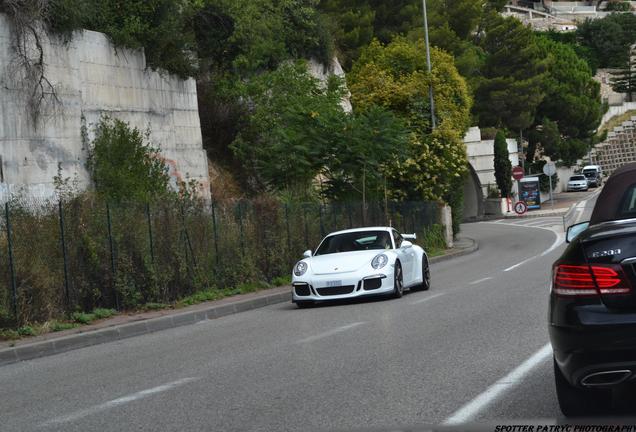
(628, 205)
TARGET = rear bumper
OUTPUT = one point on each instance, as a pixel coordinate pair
(581, 351)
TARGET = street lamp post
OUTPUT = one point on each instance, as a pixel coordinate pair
(428, 64)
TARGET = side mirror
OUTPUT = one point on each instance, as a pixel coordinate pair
(406, 244)
(409, 236)
(307, 253)
(575, 230)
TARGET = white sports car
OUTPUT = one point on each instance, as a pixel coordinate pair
(360, 262)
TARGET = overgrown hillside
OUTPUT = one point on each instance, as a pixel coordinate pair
(277, 130)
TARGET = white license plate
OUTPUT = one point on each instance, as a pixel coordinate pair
(334, 283)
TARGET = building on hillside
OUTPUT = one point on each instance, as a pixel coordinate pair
(555, 14)
(618, 149)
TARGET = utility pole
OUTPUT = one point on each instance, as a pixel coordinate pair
(428, 65)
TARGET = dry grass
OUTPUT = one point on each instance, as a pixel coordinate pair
(616, 121)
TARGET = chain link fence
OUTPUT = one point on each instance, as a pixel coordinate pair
(84, 253)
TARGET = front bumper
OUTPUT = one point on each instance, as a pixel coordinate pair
(341, 286)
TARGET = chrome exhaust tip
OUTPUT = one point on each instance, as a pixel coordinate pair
(606, 378)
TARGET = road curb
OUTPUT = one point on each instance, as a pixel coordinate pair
(30, 351)
(462, 252)
(124, 331)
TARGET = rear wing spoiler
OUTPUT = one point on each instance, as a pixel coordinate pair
(409, 236)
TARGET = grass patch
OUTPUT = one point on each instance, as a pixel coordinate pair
(87, 318)
(281, 281)
(212, 294)
(616, 121)
(26, 331)
(57, 326)
(155, 306)
(82, 317)
(101, 313)
(9, 334)
(435, 252)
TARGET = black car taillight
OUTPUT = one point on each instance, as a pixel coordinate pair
(586, 280)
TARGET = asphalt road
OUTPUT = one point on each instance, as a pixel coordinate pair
(471, 348)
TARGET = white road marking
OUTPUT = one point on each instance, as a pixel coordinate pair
(525, 261)
(427, 298)
(330, 332)
(560, 239)
(580, 207)
(480, 280)
(472, 408)
(116, 402)
(539, 222)
(557, 242)
(579, 214)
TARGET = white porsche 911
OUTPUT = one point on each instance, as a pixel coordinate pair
(360, 262)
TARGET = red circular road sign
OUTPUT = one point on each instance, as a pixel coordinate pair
(517, 173)
(521, 207)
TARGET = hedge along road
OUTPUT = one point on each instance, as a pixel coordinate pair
(411, 361)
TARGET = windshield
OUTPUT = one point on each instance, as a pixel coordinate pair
(355, 241)
(578, 177)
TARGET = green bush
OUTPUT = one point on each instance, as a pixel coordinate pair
(101, 313)
(281, 281)
(618, 6)
(434, 240)
(124, 165)
(26, 331)
(82, 317)
(57, 326)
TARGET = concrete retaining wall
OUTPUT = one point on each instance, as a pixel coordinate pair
(92, 78)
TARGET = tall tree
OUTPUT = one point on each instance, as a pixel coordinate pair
(272, 144)
(394, 76)
(361, 151)
(512, 85)
(624, 80)
(573, 98)
(351, 25)
(503, 167)
(609, 38)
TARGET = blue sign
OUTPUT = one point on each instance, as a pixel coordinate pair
(529, 192)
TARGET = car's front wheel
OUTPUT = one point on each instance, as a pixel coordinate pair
(579, 402)
(398, 281)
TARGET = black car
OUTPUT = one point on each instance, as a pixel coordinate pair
(592, 317)
(593, 178)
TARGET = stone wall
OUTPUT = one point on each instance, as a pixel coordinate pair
(481, 155)
(92, 78)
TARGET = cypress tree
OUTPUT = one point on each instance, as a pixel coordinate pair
(503, 167)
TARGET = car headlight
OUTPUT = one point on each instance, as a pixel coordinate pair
(300, 268)
(379, 261)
